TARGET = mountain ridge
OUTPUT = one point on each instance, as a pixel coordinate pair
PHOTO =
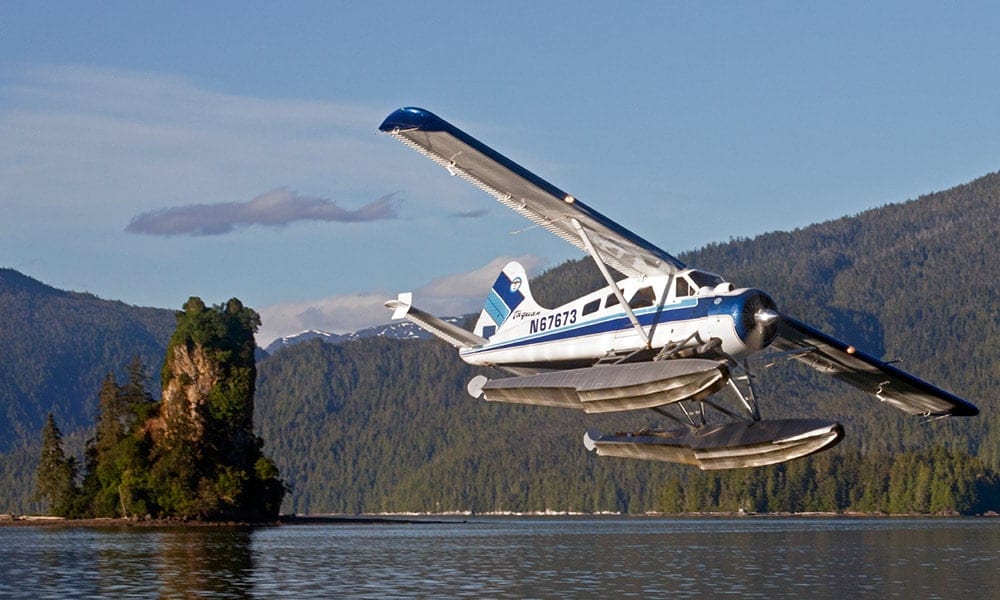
(59, 345)
(368, 423)
(400, 330)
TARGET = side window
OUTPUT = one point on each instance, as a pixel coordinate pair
(489, 330)
(611, 301)
(683, 288)
(643, 297)
(591, 307)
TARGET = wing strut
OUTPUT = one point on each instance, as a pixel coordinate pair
(611, 282)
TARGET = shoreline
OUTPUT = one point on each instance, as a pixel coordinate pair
(11, 520)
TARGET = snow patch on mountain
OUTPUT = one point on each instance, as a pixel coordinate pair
(397, 330)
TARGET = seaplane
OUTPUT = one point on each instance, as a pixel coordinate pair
(661, 335)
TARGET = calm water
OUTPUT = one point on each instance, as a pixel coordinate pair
(513, 558)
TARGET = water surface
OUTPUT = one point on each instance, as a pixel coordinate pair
(512, 558)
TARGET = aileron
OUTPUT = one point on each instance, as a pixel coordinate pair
(867, 373)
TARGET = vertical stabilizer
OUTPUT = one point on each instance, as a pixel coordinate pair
(509, 293)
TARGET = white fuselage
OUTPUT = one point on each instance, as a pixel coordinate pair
(673, 312)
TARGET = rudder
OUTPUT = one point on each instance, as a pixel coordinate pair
(510, 292)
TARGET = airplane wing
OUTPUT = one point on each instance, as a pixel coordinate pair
(526, 193)
(894, 386)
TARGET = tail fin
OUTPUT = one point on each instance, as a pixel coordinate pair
(510, 292)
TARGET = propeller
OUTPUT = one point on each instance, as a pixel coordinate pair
(760, 320)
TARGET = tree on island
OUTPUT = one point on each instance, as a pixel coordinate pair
(117, 457)
(209, 464)
(56, 479)
(194, 454)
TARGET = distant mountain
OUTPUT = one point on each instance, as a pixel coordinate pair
(397, 330)
(57, 348)
(304, 336)
(13, 282)
(59, 345)
(377, 423)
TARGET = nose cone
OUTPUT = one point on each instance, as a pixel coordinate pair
(760, 320)
(766, 316)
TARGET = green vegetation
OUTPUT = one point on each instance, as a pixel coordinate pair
(193, 455)
(937, 481)
(56, 479)
(383, 425)
(57, 349)
(210, 463)
(116, 483)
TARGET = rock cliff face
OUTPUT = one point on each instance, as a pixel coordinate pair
(192, 378)
(205, 423)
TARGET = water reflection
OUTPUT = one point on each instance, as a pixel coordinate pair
(71, 562)
(217, 562)
(512, 558)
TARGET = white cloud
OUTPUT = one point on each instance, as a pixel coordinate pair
(276, 208)
(457, 294)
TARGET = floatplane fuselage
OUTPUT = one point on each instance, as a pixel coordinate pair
(664, 336)
(692, 313)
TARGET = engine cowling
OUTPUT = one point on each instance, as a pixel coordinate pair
(745, 322)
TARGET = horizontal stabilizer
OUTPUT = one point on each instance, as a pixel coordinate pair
(402, 308)
(722, 446)
(613, 387)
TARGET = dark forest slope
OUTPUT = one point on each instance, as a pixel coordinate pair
(385, 425)
(377, 425)
(58, 346)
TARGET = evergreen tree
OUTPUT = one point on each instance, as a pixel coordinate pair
(135, 449)
(117, 457)
(56, 479)
(103, 470)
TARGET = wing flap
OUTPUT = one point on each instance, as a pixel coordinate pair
(892, 385)
(527, 194)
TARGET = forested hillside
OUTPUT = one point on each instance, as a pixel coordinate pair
(382, 425)
(58, 346)
(915, 281)
(356, 440)
(377, 424)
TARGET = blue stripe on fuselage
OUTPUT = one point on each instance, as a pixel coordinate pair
(682, 311)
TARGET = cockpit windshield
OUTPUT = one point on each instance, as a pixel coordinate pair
(703, 279)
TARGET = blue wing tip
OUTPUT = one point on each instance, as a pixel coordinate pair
(411, 117)
(967, 409)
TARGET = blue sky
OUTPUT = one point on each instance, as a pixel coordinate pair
(158, 150)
